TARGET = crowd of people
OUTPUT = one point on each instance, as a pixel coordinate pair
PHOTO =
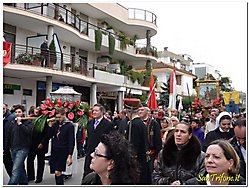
(133, 146)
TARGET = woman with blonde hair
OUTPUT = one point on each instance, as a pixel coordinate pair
(222, 165)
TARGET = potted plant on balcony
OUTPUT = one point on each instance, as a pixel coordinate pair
(98, 39)
(28, 59)
(52, 53)
(111, 40)
(124, 41)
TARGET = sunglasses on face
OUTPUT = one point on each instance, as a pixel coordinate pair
(96, 154)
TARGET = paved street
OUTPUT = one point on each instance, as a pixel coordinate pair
(48, 179)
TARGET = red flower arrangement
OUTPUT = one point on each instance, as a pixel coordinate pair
(77, 112)
(218, 103)
(196, 105)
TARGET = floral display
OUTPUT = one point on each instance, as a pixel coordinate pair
(218, 103)
(197, 105)
(77, 112)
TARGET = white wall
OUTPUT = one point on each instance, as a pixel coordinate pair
(22, 34)
(187, 80)
(18, 94)
(106, 77)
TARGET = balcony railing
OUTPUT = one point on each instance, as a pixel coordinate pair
(140, 14)
(28, 55)
(62, 14)
(142, 49)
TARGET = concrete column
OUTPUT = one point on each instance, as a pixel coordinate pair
(48, 85)
(148, 41)
(93, 94)
(120, 100)
(50, 33)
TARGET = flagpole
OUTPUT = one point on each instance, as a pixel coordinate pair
(189, 101)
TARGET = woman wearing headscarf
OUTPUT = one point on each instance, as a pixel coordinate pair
(223, 130)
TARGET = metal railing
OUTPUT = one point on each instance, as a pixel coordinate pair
(142, 49)
(140, 14)
(32, 56)
(62, 14)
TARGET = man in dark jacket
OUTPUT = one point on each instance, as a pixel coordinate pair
(123, 122)
(153, 136)
(39, 148)
(137, 135)
(7, 118)
(95, 129)
(180, 159)
(19, 140)
(239, 143)
(44, 52)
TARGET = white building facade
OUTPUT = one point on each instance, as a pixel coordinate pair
(75, 61)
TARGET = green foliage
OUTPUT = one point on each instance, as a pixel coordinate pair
(142, 97)
(124, 41)
(225, 84)
(164, 96)
(125, 68)
(111, 44)
(26, 58)
(52, 52)
(185, 101)
(98, 40)
(148, 65)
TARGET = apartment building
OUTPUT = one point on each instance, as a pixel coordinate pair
(87, 44)
(167, 60)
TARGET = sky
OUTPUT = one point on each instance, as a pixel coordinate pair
(210, 32)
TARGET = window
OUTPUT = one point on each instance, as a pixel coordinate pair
(178, 80)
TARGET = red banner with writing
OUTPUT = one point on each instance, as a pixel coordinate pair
(6, 52)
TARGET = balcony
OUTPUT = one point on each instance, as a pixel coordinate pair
(85, 30)
(31, 56)
(141, 49)
(140, 14)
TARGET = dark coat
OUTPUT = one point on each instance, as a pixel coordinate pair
(199, 134)
(93, 139)
(19, 136)
(7, 118)
(198, 180)
(63, 137)
(242, 170)
(94, 135)
(154, 136)
(123, 127)
(41, 138)
(174, 164)
(140, 142)
(215, 135)
(94, 179)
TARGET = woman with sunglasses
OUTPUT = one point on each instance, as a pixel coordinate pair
(113, 162)
(223, 130)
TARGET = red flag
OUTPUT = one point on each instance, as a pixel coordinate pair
(6, 52)
(152, 103)
(172, 88)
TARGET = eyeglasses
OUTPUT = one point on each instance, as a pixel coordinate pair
(96, 154)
